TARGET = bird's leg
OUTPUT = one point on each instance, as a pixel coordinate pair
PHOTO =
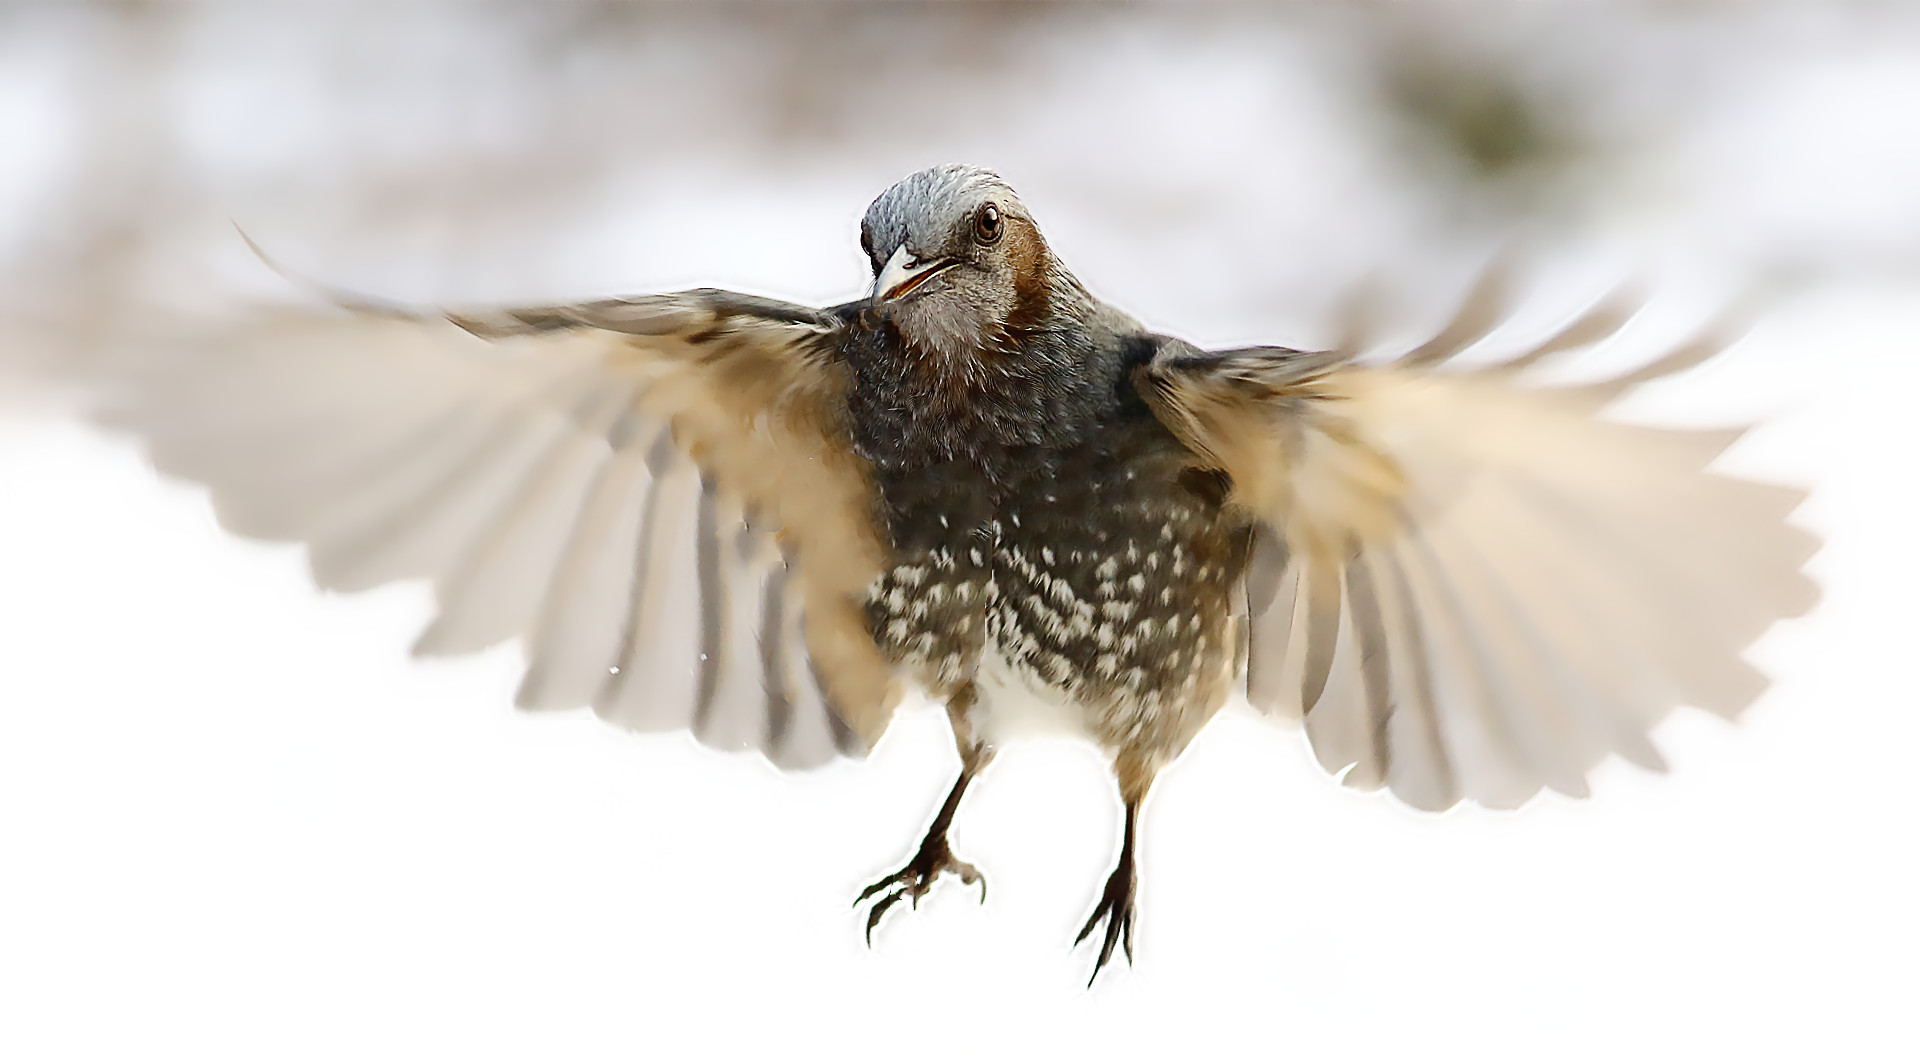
(934, 856)
(1116, 899)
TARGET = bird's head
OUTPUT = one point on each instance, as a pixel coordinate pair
(958, 264)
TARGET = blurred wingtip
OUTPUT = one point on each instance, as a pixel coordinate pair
(259, 251)
(1482, 307)
(339, 297)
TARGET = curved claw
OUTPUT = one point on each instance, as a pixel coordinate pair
(875, 888)
(1116, 908)
(968, 875)
(879, 910)
(915, 879)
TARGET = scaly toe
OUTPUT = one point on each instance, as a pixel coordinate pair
(915, 879)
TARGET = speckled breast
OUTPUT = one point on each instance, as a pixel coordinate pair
(1093, 577)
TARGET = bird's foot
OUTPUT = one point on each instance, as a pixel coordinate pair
(916, 878)
(1116, 907)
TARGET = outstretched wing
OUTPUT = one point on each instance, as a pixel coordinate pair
(655, 495)
(1471, 588)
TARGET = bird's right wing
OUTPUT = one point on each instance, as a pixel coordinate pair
(1471, 586)
(656, 495)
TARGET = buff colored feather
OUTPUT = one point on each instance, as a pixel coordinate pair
(1488, 587)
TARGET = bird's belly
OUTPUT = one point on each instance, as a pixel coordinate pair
(1086, 592)
(1015, 702)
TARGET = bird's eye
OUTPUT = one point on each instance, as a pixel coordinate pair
(866, 244)
(987, 226)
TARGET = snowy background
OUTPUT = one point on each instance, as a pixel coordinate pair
(235, 818)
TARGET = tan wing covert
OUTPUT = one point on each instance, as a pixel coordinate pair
(1469, 587)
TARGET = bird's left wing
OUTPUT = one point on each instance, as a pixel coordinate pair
(656, 495)
(1468, 586)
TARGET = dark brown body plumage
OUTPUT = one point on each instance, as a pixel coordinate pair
(1073, 540)
(1056, 557)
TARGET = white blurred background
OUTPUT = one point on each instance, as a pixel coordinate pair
(234, 818)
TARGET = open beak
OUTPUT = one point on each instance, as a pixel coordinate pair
(902, 274)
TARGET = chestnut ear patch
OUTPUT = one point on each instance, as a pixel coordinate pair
(1025, 259)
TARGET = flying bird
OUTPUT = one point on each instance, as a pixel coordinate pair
(768, 523)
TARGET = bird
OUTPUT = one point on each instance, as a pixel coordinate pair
(979, 485)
